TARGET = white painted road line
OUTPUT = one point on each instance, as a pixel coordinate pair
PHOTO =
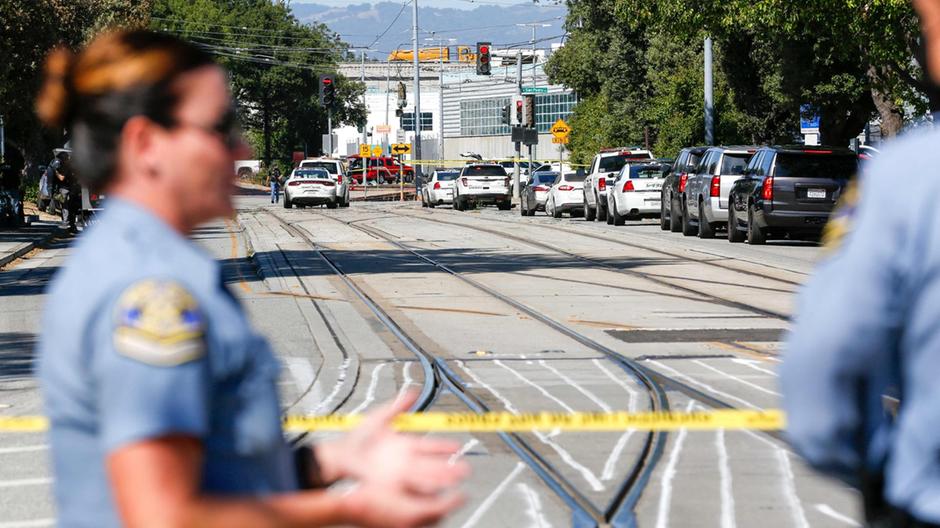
(36, 523)
(370, 393)
(827, 510)
(492, 497)
(24, 482)
(22, 449)
(665, 494)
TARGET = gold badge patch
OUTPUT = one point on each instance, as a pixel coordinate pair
(159, 323)
(842, 219)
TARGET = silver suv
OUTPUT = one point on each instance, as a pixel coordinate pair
(705, 207)
(336, 169)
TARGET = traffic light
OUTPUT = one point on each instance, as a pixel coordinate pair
(507, 115)
(483, 58)
(529, 110)
(327, 90)
(519, 115)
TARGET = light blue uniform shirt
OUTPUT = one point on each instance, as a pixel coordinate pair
(869, 319)
(141, 339)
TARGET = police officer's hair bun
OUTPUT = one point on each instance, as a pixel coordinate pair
(119, 75)
(53, 103)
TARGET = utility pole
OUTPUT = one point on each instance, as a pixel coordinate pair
(387, 87)
(709, 95)
(417, 90)
(516, 177)
(362, 79)
(440, 109)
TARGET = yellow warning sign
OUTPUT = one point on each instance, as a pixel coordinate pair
(364, 151)
(377, 151)
(401, 148)
(560, 129)
(560, 140)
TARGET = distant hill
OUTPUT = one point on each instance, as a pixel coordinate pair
(360, 24)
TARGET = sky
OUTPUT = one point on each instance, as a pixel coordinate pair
(458, 4)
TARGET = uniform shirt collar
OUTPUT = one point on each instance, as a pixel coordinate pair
(158, 240)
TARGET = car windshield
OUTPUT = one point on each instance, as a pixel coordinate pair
(328, 166)
(575, 177)
(542, 178)
(615, 163)
(311, 173)
(484, 170)
(447, 176)
(837, 167)
(734, 164)
(646, 172)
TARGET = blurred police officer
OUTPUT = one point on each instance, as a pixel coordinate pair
(162, 400)
(867, 325)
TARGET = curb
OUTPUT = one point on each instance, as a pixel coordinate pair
(26, 247)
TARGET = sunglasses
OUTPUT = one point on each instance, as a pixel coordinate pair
(227, 128)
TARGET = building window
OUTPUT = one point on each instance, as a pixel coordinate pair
(483, 117)
(408, 121)
(552, 107)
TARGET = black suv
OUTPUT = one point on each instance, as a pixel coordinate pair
(670, 204)
(788, 192)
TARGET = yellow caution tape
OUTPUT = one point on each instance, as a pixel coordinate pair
(496, 422)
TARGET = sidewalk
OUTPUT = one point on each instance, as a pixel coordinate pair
(14, 243)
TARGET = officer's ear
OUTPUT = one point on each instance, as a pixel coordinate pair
(139, 139)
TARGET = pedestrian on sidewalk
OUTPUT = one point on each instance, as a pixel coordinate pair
(866, 327)
(274, 180)
(162, 400)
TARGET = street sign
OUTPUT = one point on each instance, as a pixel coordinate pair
(364, 151)
(560, 140)
(401, 148)
(809, 120)
(535, 89)
(383, 129)
(400, 136)
(376, 151)
(560, 129)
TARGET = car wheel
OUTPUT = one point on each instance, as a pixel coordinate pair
(615, 217)
(755, 236)
(704, 228)
(589, 212)
(664, 223)
(523, 208)
(675, 219)
(424, 200)
(601, 211)
(332, 205)
(687, 228)
(734, 234)
(431, 204)
(556, 213)
(458, 204)
(287, 203)
(505, 205)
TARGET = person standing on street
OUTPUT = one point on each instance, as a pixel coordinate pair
(162, 400)
(867, 326)
(274, 180)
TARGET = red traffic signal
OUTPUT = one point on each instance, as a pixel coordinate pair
(483, 58)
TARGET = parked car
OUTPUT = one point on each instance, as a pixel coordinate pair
(566, 195)
(788, 191)
(636, 192)
(439, 189)
(535, 193)
(310, 187)
(705, 205)
(482, 183)
(336, 169)
(383, 169)
(607, 163)
(670, 216)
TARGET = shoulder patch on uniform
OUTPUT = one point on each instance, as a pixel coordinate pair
(842, 221)
(158, 322)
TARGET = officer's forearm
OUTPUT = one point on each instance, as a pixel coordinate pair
(307, 508)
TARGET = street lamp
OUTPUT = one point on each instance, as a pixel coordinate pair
(533, 25)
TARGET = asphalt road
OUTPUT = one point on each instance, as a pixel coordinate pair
(705, 314)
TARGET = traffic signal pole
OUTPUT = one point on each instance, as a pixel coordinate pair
(516, 176)
(417, 90)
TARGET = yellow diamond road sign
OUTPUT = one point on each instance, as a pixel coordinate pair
(401, 148)
(560, 129)
(365, 150)
(377, 151)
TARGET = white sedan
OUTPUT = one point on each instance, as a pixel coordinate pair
(635, 192)
(566, 195)
(310, 187)
(439, 189)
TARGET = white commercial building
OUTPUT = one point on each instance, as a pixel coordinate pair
(472, 109)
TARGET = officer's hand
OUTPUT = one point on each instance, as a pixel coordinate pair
(374, 454)
(375, 506)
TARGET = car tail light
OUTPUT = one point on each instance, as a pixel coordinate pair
(565, 188)
(767, 190)
(463, 181)
(293, 183)
(683, 178)
(602, 184)
(339, 178)
(327, 183)
(437, 185)
(539, 188)
(628, 186)
(716, 186)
